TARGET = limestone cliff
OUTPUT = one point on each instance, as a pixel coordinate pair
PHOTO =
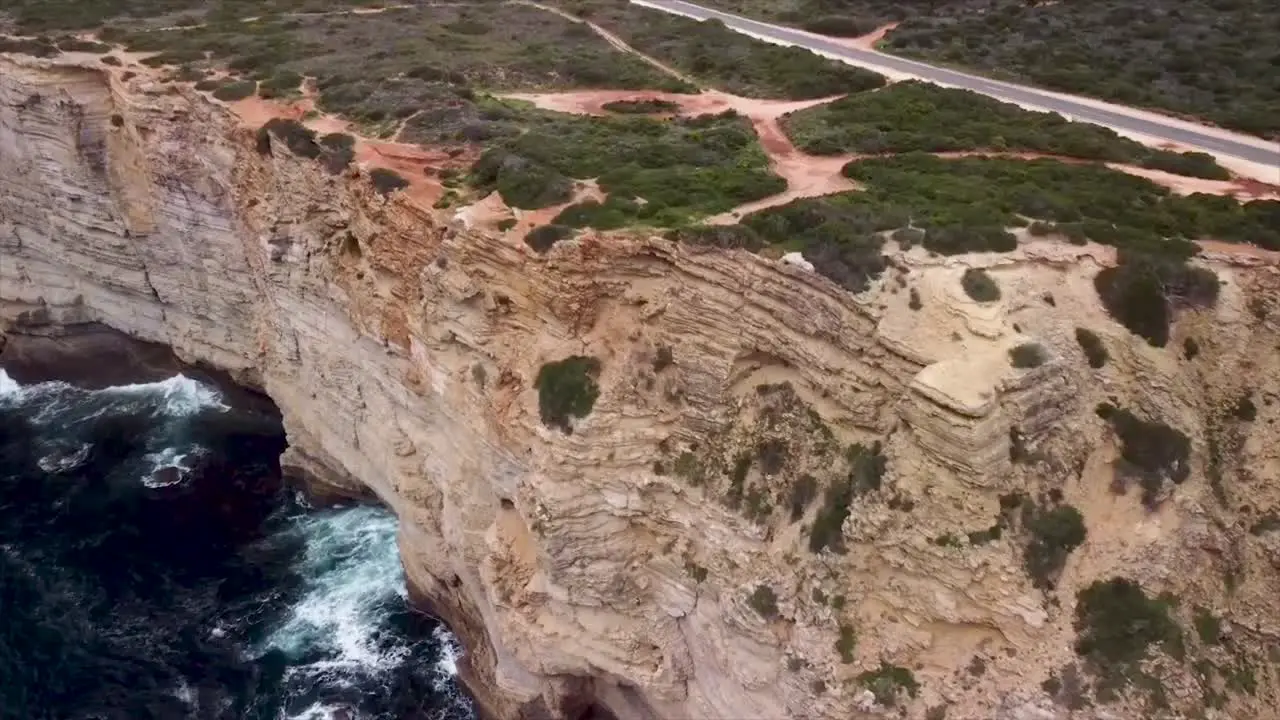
(657, 560)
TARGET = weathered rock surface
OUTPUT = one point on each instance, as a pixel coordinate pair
(580, 568)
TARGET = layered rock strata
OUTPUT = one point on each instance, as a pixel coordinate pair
(579, 569)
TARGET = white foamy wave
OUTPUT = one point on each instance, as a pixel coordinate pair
(170, 459)
(320, 711)
(180, 395)
(9, 388)
(352, 570)
(60, 462)
(450, 652)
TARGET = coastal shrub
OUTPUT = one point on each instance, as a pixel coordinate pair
(979, 286)
(1245, 409)
(1204, 58)
(208, 85)
(764, 602)
(39, 47)
(847, 643)
(387, 181)
(840, 25)
(1190, 348)
(1094, 351)
(711, 53)
(339, 149)
(1054, 534)
(300, 139)
(889, 682)
(1208, 626)
(1028, 355)
(915, 116)
(111, 60)
(1117, 625)
(236, 90)
(866, 469)
(541, 238)
(913, 300)
(567, 389)
(280, 83)
(663, 173)
(803, 491)
(1142, 292)
(641, 107)
(614, 212)
(1152, 450)
(721, 236)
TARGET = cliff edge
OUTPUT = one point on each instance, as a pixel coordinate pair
(784, 500)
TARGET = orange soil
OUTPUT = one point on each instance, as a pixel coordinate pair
(417, 164)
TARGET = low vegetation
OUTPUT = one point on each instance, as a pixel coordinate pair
(764, 602)
(917, 116)
(387, 181)
(718, 57)
(979, 285)
(235, 90)
(968, 204)
(567, 389)
(1143, 292)
(1150, 450)
(889, 683)
(656, 172)
(1054, 532)
(866, 468)
(1094, 351)
(378, 69)
(847, 643)
(1118, 626)
(1028, 355)
(542, 238)
(641, 107)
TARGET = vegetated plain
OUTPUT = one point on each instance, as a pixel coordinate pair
(1212, 59)
(917, 116)
(718, 57)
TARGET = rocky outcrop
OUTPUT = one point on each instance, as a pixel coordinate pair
(595, 567)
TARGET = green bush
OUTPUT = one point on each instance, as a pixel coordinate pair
(614, 212)
(764, 602)
(387, 181)
(641, 107)
(72, 44)
(208, 85)
(847, 643)
(39, 47)
(715, 55)
(1190, 57)
(339, 149)
(1054, 534)
(1094, 351)
(917, 116)
(1153, 450)
(866, 469)
(1245, 409)
(300, 139)
(567, 389)
(888, 682)
(1208, 626)
(979, 286)
(1028, 355)
(913, 301)
(1141, 292)
(803, 491)
(236, 90)
(541, 238)
(1190, 348)
(282, 82)
(721, 236)
(1117, 624)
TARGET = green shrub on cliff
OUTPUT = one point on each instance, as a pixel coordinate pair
(1142, 292)
(387, 181)
(567, 389)
(236, 90)
(1117, 625)
(979, 286)
(1091, 344)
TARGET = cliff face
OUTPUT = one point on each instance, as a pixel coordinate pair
(623, 564)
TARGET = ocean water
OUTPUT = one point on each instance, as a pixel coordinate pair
(153, 566)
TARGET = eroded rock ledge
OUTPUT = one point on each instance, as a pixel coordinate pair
(579, 569)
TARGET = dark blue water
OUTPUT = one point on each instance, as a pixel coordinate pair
(154, 565)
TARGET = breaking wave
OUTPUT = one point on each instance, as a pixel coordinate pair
(154, 565)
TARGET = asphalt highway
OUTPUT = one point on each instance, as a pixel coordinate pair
(1183, 133)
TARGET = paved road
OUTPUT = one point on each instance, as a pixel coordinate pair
(1250, 149)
